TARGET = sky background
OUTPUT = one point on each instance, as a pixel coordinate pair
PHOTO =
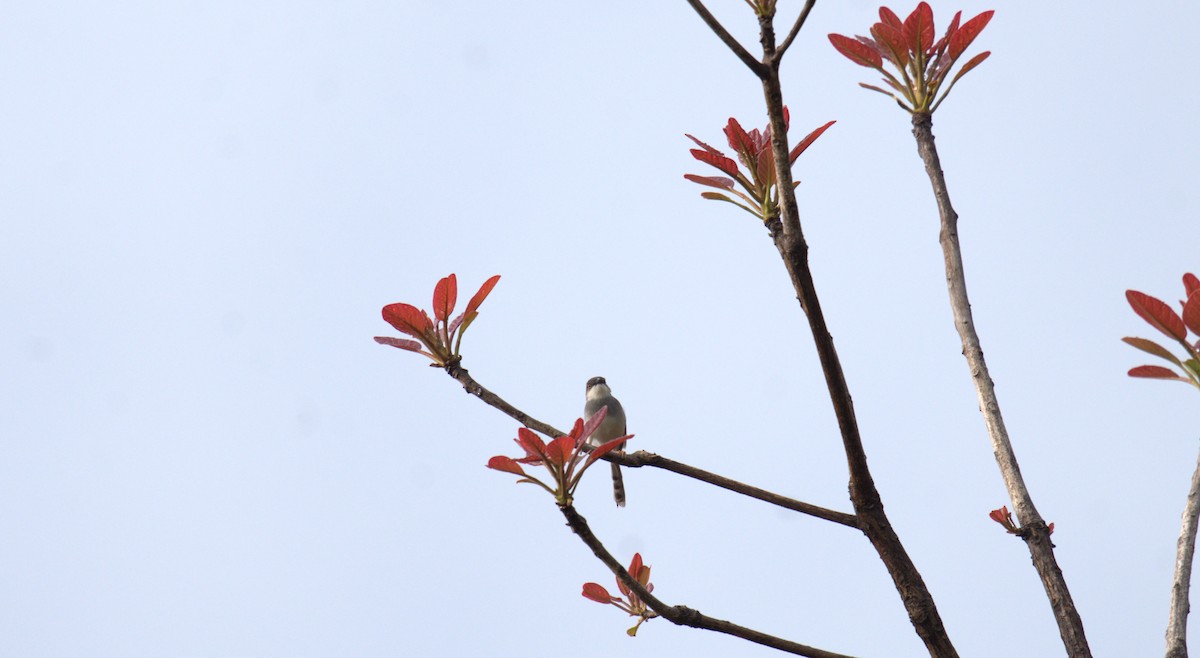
(203, 206)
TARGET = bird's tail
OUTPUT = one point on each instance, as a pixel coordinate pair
(618, 485)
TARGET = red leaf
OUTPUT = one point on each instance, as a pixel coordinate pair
(1155, 372)
(1191, 312)
(402, 343)
(971, 63)
(889, 17)
(408, 319)
(808, 140)
(606, 448)
(445, 295)
(704, 146)
(1190, 283)
(506, 464)
(484, 291)
(1151, 347)
(856, 52)
(738, 139)
(531, 443)
(1157, 314)
(918, 29)
(891, 39)
(717, 160)
(711, 181)
(940, 46)
(559, 450)
(597, 593)
(967, 33)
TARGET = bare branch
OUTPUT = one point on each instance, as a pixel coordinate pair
(642, 458)
(868, 505)
(1185, 550)
(679, 614)
(787, 43)
(758, 67)
(1070, 626)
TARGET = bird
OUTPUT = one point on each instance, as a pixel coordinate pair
(599, 395)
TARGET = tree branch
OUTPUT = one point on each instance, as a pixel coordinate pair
(1037, 537)
(1185, 549)
(678, 614)
(787, 43)
(642, 458)
(756, 66)
(868, 505)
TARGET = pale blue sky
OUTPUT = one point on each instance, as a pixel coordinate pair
(205, 204)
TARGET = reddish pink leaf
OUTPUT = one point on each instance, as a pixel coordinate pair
(738, 139)
(889, 17)
(721, 162)
(892, 42)
(402, 343)
(1191, 312)
(597, 593)
(918, 29)
(967, 33)
(1155, 372)
(408, 319)
(606, 448)
(971, 63)
(808, 140)
(940, 46)
(531, 443)
(506, 464)
(445, 295)
(559, 450)
(711, 181)
(484, 291)
(1157, 314)
(1190, 283)
(856, 52)
(1151, 347)
(704, 146)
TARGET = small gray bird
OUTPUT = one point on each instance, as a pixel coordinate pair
(599, 395)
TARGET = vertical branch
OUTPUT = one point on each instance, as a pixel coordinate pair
(868, 506)
(1185, 549)
(1034, 530)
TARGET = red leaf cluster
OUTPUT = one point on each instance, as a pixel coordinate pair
(921, 64)
(438, 338)
(631, 603)
(565, 457)
(758, 194)
(1161, 316)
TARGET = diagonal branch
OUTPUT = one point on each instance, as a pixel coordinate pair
(642, 458)
(787, 42)
(678, 614)
(868, 505)
(1181, 585)
(1037, 536)
(758, 67)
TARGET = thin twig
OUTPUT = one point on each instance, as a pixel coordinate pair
(738, 49)
(678, 614)
(1035, 531)
(642, 458)
(787, 43)
(1185, 550)
(868, 505)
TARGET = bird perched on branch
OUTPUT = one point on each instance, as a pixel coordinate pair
(599, 395)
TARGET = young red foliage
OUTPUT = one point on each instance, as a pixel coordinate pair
(1155, 312)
